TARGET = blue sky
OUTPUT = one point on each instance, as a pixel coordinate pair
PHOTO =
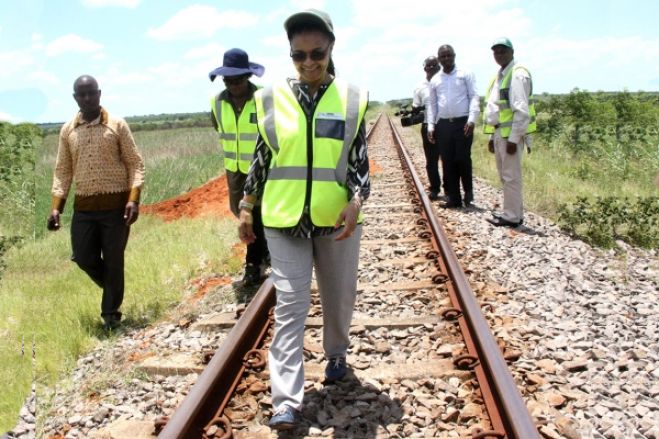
(153, 56)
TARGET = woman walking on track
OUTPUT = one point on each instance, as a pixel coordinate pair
(310, 171)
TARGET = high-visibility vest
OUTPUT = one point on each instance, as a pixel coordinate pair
(237, 138)
(505, 112)
(309, 155)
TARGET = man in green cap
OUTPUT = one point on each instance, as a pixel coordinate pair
(509, 118)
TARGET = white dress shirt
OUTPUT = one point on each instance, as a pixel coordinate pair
(520, 90)
(420, 98)
(452, 95)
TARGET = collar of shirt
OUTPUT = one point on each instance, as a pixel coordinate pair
(101, 119)
(301, 92)
(451, 73)
(503, 71)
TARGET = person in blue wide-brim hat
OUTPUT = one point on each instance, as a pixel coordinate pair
(233, 114)
(236, 62)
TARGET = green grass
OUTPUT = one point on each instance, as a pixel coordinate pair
(553, 176)
(44, 297)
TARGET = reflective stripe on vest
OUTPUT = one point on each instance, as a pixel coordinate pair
(238, 141)
(284, 127)
(505, 113)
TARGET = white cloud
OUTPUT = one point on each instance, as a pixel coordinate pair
(200, 21)
(14, 63)
(213, 51)
(37, 41)
(116, 78)
(44, 78)
(71, 43)
(101, 3)
(6, 117)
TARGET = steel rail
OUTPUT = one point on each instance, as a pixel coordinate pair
(214, 387)
(503, 401)
(221, 375)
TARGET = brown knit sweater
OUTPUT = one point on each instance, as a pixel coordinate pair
(102, 159)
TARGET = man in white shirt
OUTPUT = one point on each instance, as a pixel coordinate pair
(453, 106)
(431, 151)
(509, 117)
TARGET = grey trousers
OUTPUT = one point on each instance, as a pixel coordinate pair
(293, 259)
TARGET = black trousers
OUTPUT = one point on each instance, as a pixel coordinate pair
(431, 151)
(257, 251)
(455, 149)
(98, 239)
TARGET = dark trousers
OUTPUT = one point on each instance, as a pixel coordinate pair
(432, 160)
(98, 239)
(455, 150)
(257, 251)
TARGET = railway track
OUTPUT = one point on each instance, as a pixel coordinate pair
(423, 361)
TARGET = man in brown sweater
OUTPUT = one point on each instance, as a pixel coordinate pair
(97, 152)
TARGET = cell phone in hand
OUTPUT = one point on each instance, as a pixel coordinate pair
(52, 224)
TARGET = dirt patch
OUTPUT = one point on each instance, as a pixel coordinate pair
(203, 286)
(373, 167)
(212, 198)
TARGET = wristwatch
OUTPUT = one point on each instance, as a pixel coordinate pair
(245, 205)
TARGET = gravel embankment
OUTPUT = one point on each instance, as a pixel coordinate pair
(585, 319)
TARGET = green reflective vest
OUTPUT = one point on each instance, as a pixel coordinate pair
(505, 112)
(237, 137)
(308, 154)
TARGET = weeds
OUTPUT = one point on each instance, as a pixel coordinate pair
(606, 219)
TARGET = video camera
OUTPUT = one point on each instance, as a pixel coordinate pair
(411, 117)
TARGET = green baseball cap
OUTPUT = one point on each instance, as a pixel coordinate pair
(502, 41)
(311, 16)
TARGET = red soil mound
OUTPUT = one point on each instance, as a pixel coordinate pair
(210, 199)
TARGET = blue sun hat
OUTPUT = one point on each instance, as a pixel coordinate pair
(236, 62)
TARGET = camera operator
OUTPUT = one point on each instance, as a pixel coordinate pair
(419, 102)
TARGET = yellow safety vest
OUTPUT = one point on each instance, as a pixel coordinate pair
(237, 138)
(308, 154)
(505, 112)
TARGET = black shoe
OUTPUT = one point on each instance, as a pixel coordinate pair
(451, 205)
(434, 196)
(500, 222)
(110, 323)
(252, 276)
(467, 203)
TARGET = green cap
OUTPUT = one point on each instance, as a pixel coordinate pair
(311, 16)
(503, 41)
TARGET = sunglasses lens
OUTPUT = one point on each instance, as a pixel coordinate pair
(315, 55)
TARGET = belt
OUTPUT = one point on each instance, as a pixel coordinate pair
(454, 119)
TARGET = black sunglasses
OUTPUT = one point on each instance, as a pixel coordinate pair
(233, 80)
(430, 66)
(315, 55)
